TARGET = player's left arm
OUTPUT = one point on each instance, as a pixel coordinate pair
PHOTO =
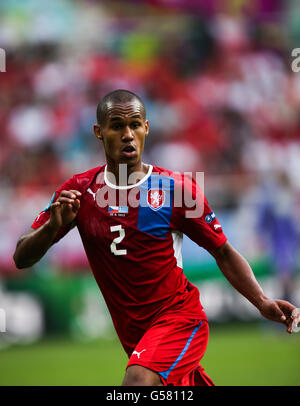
(238, 272)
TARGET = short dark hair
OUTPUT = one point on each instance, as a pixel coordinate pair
(117, 96)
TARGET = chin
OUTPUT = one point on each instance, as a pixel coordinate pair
(129, 161)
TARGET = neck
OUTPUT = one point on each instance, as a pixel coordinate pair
(125, 174)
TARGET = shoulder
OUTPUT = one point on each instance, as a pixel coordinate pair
(189, 187)
(84, 179)
(179, 179)
(157, 170)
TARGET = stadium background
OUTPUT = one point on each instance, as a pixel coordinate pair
(221, 98)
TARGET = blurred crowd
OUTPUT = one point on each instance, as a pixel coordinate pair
(215, 76)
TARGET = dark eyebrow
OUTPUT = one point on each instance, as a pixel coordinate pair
(120, 118)
(115, 119)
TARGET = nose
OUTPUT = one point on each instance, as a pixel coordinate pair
(127, 134)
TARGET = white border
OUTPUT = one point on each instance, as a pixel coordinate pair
(128, 186)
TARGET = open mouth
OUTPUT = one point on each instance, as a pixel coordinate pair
(129, 150)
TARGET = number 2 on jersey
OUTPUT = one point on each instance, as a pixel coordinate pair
(117, 240)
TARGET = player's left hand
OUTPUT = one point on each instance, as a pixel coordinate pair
(278, 310)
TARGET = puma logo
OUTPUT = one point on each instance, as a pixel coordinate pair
(92, 193)
(138, 353)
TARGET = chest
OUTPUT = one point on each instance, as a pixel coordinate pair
(138, 211)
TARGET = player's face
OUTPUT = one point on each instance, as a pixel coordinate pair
(123, 133)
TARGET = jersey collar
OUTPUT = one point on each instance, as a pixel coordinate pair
(129, 186)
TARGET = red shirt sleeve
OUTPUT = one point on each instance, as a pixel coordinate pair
(194, 217)
(44, 215)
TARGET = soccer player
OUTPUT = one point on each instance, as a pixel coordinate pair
(131, 224)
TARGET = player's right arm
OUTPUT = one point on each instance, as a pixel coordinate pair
(31, 247)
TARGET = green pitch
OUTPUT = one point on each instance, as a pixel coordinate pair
(236, 355)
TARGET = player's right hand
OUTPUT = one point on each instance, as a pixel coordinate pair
(279, 310)
(65, 209)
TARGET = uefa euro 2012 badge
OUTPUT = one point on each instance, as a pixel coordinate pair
(296, 320)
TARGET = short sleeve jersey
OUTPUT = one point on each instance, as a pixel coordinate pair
(132, 236)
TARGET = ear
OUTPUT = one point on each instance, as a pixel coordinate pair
(147, 127)
(97, 131)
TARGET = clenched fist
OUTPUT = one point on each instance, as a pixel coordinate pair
(65, 209)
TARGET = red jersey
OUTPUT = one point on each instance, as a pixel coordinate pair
(132, 237)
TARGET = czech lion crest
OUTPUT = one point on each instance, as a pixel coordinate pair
(156, 198)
